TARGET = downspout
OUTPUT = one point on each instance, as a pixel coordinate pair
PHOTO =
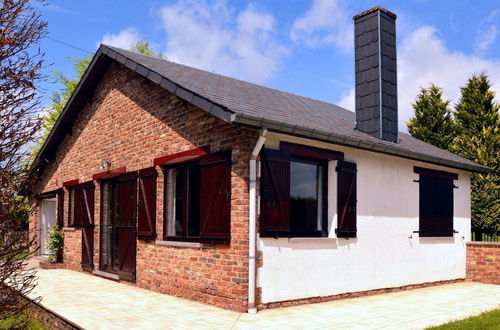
(252, 232)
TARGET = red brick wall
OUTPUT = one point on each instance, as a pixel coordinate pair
(131, 121)
(483, 262)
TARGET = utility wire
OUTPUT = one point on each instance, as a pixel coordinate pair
(69, 45)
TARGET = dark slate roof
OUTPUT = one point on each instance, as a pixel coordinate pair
(245, 103)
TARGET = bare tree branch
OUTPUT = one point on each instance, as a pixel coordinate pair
(21, 64)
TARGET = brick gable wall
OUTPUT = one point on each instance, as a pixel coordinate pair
(130, 121)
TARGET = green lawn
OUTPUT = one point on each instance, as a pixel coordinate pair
(484, 321)
(12, 322)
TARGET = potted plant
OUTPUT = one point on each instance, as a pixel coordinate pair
(55, 243)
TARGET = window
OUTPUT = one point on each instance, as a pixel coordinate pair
(293, 193)
(198, 199)
(183, 196)
(435, 202)
(307, 196)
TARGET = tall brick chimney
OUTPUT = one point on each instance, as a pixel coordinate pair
(376, 78)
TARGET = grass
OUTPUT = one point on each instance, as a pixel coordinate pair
(485, 321)
(14, 321)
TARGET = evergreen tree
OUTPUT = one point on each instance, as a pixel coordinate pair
(478, 126)
(432, 122)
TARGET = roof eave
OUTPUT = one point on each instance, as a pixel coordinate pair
(295, 130)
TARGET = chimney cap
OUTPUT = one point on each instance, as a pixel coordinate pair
(371, 10)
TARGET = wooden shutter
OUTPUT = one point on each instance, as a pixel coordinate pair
(146, 216)
(87, 223)
(77, 209)
(346, 199)
(126, 225)
(275, 193)
(435, 206)
(215, 204)
(60, 208)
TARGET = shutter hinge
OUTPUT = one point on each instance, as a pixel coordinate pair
(417, 181)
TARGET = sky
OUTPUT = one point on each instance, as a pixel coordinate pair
(299, 46)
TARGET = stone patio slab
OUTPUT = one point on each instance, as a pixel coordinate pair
(96, 303)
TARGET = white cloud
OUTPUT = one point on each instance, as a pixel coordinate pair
(124, 39)
(214, 37)
(347, 100)
(486, 33)
(485, 39)
(423, 59)
(326, 22)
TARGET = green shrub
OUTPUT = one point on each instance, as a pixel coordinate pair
(55, 243)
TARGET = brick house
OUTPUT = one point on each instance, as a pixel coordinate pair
(210, 188)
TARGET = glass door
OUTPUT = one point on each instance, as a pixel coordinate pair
(118, 226)
(107, 238)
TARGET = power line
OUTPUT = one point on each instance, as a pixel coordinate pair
(69, 45)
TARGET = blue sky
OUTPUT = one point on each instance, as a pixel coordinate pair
(303, 47)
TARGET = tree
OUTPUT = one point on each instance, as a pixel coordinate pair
(143, 47)
(432, 122)
(478, 124)
(59, 99)
(21, 64)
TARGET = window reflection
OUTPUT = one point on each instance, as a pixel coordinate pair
(306, 195)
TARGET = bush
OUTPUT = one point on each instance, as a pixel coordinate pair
(55, 243)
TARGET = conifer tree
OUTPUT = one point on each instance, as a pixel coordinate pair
(432, 122)
(478, 126)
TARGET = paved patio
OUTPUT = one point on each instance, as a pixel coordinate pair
(96, 303)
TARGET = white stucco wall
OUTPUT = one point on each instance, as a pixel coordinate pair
(385, 252)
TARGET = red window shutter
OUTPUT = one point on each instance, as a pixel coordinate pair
(127, 195)
(77, 206)
(346, 199)
(435, 206)
(60, 208)
(88, 204)
(87, 223)
(275, 193)
(127, 226)
(146, 217)
(215, 204)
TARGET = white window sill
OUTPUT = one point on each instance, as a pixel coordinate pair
(312, 239)
(69, 229)
(180, 244)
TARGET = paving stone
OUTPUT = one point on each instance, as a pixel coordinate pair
(104, 304)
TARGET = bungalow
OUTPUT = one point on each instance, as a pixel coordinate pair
(206, 187)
